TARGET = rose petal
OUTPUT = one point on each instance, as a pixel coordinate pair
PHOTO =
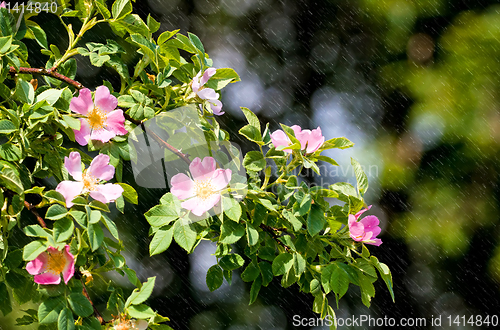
(221, 178)
(279, 138)
(206, 76)
(69, 268)
(37, 265)
(102, 135)
(202, 169)
(106, 193)
(207, 94)
(182, 186)
(115, 122)
(199, 206)
(83, 103)
(362, 211)
(69, 189)
(370, 222)
(82, 136)
(100, 168)
(216, 106)
(104, 100)
(47, 278)
(73, 164)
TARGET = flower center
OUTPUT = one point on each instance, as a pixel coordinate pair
(203, 189)
(56, 262)
(89, 181)
(96, 119)
(122, 326)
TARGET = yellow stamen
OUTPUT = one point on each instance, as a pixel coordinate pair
(96, 119)
(56, 262)
(203, 189)
(89, 181)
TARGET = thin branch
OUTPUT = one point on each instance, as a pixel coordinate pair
(160, 141)
(47, 72)
(96, 312)
(274, 234)
(32, 208)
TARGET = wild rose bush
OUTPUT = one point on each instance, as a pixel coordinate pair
(264, 226)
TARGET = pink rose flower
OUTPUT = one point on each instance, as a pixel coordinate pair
(206, 93)
(202, 192)
(366, 230)
(102, 122)
(49, 265)
(310, 141)
(88, 180)
(130, 325)
(3, 5)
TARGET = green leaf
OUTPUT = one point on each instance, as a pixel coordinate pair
(24, 91)
(10, 152)
(282, 264)
(231, 232)
(299, 264)
(297, 225)
(129, 193)
(5, 303)
(254, 161)
(90, 323)
(231, 261)
(266, 271)
(66, 320)
(96, 236)
(121, 8)
(254, 290)
(252, 235)
(367, 289)
(251, 133)
(341, 143)
(165, 36)
(94, 216)
(33, 249)
(339, 281)
(6, 126)
(214, 277)
(35, 231)
(5, 43)
(252, 118)
(50, 95)
(161, 241)
(315, 220)
(250, 273)
(56, 212)
(63, 229)
(231, 208)
(80, 305)
(385, 273)
(111, 226)
(184, 235)
(9, 178)
(141, 311)
(153, 25)
(222, 77)
(49, 310)
(161, 215)
(103, 9)
(139, 296)
(361, 178)
(196, 42)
